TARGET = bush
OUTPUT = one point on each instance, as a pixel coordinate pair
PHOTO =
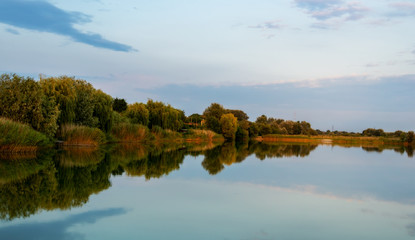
(17, 137)
(128, 132)
(165, 133)
(80, 135)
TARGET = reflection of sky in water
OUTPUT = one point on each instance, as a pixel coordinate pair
(348, 172)
(335, 193)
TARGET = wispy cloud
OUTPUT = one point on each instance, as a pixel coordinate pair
(350, 12)
(332, 13)
(315, 5)
(269, 25)
(42, 16)
(402, 9)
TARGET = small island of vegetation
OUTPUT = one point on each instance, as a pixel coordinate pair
(70, 111)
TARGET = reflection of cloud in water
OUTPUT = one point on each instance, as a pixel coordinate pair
(261, 235)
(367, 211)
(411, 229)
(57, 229)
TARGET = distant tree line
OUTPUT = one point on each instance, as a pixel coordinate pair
(217, 118)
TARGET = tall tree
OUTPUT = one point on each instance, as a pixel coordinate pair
(138, 113)
(229, 125)
(119, 105)
(212, 115)
(23, 100)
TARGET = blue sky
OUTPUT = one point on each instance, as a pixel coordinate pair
(347, 64)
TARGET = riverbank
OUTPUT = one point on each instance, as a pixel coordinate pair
(21, 138)
(332, 140)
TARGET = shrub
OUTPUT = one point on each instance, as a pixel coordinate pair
(128, 132)
(80, 135)
(18, 137)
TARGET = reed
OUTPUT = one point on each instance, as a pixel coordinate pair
(19, 137)
(128, 132)
(202, 135)
(72, 134)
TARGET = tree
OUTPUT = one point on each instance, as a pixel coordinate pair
(119, 105)
(262, 119)
(194, 118)
(229, 125)
(212, 115)
(410, 137)
(23, 100)
(164, 116)
(242, 133)
(239, 114)
(103, 110)
(79, 102)
(85, 104)
(61, 89)
(138, 113)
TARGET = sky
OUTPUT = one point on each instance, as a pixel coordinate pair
(338, 64)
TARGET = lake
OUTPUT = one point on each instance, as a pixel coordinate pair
(248, 191)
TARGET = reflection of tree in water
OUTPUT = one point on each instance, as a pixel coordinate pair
(53, 186)
(76, 184)
(399, 149)
(68, 178)
(264, 150)
(156, 164)
(211, 162)
(25, 197)
(228, 153)
(19, 166)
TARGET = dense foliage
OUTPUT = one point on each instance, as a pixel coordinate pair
(23, 100)
(229, 124)
(53, 102)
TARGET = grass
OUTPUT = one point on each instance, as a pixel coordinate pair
(80, 135)
(202, 135)
(128, 132)
(165, 134)
(17, 137)
(332, 139)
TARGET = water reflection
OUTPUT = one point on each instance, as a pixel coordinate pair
(399, 149)
(67, 178)
(57, 229)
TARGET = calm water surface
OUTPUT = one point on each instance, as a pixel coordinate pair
(252, 191)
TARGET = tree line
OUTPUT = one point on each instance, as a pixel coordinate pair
(52, 102)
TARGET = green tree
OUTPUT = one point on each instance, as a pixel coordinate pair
(23, 100)
(239, 114)
(103, 110)
(212, 115)
(119, 105)
(410, 137)
(84, 104)
(79, 102)
(262, 119)
(164, 116)
(138, 113)
(229, 125)
(61, 89)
